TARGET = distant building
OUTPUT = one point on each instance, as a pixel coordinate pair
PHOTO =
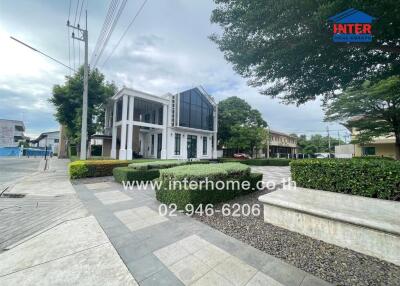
(281, 145)
(49, 139)
(11, 132)
(379, 146)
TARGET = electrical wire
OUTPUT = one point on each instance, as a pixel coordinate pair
(125, 32)
(120, 10)
(104, 29)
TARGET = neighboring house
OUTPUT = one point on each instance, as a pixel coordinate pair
(281, 145)
(11, 132)
(173, 126)
(379, 146)
(49, 139)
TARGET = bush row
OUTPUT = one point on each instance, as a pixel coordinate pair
(259, 162)
(94, 168)
(182, 195)
(369, 178)
(164, 164)
(128, 174)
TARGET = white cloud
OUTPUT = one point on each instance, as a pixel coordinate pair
(167, 50)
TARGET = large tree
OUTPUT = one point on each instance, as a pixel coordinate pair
(248, 139)
(316, 143)
(285, 47)
(67, 99)
(236, 112)
(373, 109)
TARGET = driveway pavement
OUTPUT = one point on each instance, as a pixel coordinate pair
(12, 169)
(178, 250)
(48, 237)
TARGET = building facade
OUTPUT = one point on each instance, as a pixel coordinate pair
(382, 146)
(173, 126)
(49, 139)
(11, 132)
(281, 145)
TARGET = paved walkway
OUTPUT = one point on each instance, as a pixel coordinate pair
(49, 238)
(273, 173)
(178, 250)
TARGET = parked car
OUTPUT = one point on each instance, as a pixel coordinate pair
(324, 155)
(241, 156)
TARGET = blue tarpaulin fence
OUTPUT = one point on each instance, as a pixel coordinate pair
(30, 152)
(10, 152)
(35, 152)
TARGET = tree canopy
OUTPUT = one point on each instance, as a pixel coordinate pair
(67, 99)
(289, 44)
(316, 144)
(373, 109)
(236, 111)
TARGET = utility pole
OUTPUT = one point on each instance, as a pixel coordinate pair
(83, 36)
(329, 140)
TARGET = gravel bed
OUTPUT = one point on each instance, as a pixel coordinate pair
(329, 262)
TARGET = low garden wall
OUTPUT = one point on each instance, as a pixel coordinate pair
(370, 178)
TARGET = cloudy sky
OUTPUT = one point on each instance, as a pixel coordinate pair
(166, 50)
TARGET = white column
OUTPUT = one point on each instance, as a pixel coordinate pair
(215, 153)
(114, 133)
(164, 133)
(122, 150)
(130, 129)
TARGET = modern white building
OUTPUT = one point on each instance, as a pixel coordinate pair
(172, 126)
(11, 132)
(49, 139)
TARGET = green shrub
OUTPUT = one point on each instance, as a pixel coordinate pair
(369, 178)
(156, 165)
(94, 168)
(97, 168)
(181, 196)
(373, 158)
(127, 174)
(259, 162)
(198, 172)
(164, 164)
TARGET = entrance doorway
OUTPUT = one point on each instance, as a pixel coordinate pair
(191, 146)
(159, 145)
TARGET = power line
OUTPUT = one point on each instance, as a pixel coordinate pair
(76, 11)
(104, 29)
(120, 10)
(126, 31)
(69, 39)
(40, 52)
(80, 12)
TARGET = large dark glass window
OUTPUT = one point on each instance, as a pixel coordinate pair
(204, 145)
(195, 110)
(119, 109)
(152, 144)
(177, 144)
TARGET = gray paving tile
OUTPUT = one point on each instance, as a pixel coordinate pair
(284, 273)
(144, 267)
(162, 278)
(314, 281)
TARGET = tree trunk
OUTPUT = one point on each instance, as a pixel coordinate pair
(397, 145)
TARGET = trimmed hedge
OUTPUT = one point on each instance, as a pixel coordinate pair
(128, 174)
(94, 168)
(181, 196)
(164, 164)
(259, 162)
(368, 178)
(156, 165)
